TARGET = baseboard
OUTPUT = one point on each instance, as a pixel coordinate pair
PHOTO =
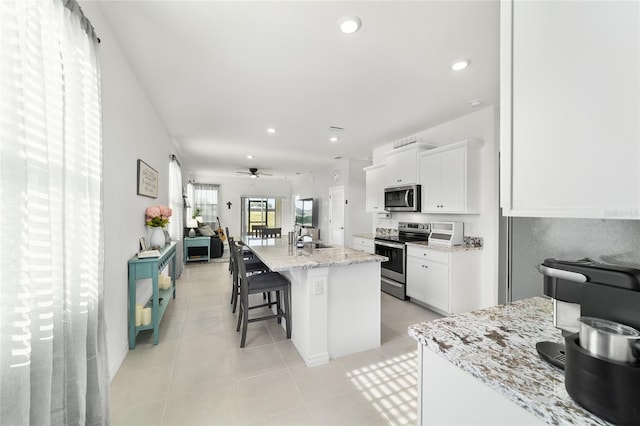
(310, 360)
(117, 363)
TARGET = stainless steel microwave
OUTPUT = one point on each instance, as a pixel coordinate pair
(402, 198)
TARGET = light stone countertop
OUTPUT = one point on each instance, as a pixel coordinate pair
(368, 236)
(279, 256)
(497, 345)
(442, 248)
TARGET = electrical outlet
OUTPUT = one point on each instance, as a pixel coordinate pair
(468, 229)
(317, 287)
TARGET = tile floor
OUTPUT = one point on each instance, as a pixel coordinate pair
(198, 375)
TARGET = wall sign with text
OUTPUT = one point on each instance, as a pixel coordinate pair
(147, 180)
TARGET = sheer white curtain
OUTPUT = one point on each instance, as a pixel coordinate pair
(53, 362)
(176, 203)
(205, 199)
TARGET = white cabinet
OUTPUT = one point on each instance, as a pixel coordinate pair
(570, 139)
(450, 178)
(416, 279)
(375, 175)
(402, 165)
(364, 244)
(445, 280)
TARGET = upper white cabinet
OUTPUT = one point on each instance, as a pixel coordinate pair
(450, 178)
(375, 181)
(402, 165)
(570, 91)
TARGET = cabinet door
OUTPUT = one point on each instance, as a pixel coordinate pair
(452, 180)
(430, 181)
(402, 168)
(437, 291)
(569, 109)
(416, 279)
(375, 190)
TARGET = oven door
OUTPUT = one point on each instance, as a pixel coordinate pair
(393, 268)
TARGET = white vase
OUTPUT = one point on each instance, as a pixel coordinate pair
(157, 238)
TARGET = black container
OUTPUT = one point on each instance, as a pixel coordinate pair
(608, 389)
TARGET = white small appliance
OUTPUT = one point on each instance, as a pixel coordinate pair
(446, 233)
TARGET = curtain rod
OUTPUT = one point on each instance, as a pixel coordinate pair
(174, 158)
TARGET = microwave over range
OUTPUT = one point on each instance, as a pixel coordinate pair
(402, 198)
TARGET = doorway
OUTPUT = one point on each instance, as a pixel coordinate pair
(258, 211)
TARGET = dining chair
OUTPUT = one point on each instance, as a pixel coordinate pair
(256, 230)
(271, 232)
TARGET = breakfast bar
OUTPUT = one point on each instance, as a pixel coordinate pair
(335, 296)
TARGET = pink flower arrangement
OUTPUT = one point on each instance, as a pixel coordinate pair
(157, 216)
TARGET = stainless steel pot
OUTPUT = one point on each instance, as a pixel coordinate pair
(610, 340)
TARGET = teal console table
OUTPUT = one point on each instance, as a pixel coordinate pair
(149, 268)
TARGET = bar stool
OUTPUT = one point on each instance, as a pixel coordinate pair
(246, 251)
(262, 283)
(253, 266)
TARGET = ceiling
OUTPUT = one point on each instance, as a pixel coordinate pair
(220, 73)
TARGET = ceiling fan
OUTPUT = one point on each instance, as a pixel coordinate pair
(254, 173)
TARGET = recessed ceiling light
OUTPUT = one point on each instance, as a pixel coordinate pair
(460, 64)
(333, 139)
(249, 156)
(350, 24)
(271, 130)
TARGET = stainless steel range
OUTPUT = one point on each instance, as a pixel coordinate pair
(394, 271)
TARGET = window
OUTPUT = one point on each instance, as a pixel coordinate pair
(205, 201)
(265, 212)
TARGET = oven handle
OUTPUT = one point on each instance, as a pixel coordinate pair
(391, 282)
(392, 245)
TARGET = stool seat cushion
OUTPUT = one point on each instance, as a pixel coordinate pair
(268, 280)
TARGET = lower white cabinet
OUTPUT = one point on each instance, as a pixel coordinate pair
(445, 280)
(364, 244)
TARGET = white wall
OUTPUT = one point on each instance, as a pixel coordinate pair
(131, 131)
(316, 185)
(480, 125)
(233, 188)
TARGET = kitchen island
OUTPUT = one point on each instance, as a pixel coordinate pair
(482, 367)
(335, 296)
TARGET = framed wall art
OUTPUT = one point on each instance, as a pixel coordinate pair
(147, 180)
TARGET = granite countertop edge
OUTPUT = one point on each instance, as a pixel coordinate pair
(466, 341)
(367, 236)
(425, 244)
(315, 264)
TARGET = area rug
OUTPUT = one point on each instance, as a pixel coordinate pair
(224, 258)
